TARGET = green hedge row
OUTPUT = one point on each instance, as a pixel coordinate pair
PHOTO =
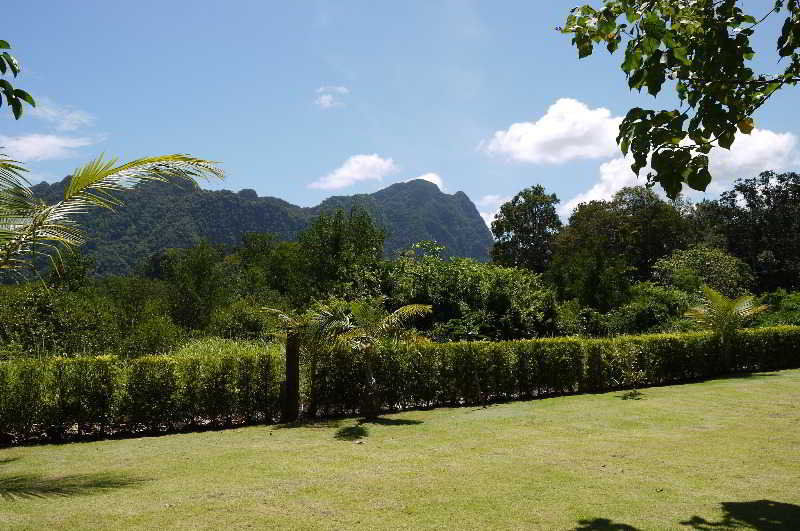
(101, 394)
(218, 382)
(427, 375)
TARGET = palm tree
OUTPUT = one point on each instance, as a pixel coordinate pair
(27, 223)
(356, 326)
(360, 327)
(723, 315)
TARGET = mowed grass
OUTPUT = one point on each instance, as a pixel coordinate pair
(714, 455)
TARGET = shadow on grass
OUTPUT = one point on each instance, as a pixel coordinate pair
(765, 515)
(7, 460)
(27, 486)
(603, 524)
(351, 433)
(634, 394)
(360, 430)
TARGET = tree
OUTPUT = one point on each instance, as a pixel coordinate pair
(342, 252)
(524, 230)
(471, 300)
(198, 283)
(608, 245)
(760, 221)
(14, 97)
(28, 225)
(703, 46)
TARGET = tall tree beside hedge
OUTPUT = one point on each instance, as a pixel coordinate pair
(198, 282)
(524, 230)
(342, 252)
(608, 245)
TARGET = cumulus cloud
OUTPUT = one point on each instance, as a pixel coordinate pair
(569, 130)
(330, 96)
(489, 205)
(750, 155)
(615, 175)
(434, 178)
(28, 148)
(356, 169)
(62, 117)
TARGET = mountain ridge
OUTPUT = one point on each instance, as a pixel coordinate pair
(158, 216)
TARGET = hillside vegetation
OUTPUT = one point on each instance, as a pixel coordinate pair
(158, 216)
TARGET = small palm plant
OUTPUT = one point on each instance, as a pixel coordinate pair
(27, 223)
(360, 327)
(723, 315)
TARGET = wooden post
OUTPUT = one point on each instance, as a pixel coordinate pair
(290, 406)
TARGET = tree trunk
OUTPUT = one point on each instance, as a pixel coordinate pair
(290, 401)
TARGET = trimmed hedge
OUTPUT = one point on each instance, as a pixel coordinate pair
(222, 382)
(93, 395)
(449, 374)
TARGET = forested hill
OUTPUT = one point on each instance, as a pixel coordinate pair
(159, 216)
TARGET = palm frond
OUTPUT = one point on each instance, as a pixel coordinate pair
(402, 316)
(722, 314)
(25, 222)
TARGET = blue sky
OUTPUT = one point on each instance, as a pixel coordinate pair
(302, 100)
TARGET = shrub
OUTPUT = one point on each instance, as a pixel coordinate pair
(156, 334)
(435, 374)
(784, 309)
(652, 308)
(242, 320)
(689, 269)
(218, 381)
(230, 382)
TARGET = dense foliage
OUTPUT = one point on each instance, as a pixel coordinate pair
(608, 245)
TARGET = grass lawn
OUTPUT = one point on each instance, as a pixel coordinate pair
(716, 455)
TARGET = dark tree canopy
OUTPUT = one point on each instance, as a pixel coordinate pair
(704, 47)
(524, 230)
(608, 245)
(760, 222)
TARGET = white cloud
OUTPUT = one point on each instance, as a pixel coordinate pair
(490, 205)
(330, 96)
(327, 101)
(569, 130)
(615, 175)
(750, 155)
(333, 90)
(63, 117)
(355, 169)
(28, 148)
(434, 178)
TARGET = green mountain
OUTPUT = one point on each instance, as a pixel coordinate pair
(159, 216)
